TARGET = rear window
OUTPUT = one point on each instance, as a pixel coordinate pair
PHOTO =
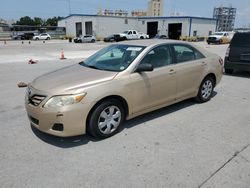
(242, 39)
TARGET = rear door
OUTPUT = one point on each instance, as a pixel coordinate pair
(190, 67)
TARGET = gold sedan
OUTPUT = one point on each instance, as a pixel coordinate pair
(120, 82)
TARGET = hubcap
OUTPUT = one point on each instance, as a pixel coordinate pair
(109, 119)
(207, 89)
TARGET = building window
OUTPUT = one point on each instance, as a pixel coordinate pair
(126, 21)
(210, 33)
(143, 22)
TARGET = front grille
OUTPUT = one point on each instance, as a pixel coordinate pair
(212, 38)
(36, 99)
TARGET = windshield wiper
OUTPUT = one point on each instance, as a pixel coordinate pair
(90, 66)
(93, 67)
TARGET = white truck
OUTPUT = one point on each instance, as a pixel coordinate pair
(220, 37)
(132, 34)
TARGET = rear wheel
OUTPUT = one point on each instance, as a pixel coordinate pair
(105, 119)
(229, 71)
(206, 90)
(93, 40)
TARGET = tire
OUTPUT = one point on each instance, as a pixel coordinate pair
(208, 43)
(206, 90)
(37, 38)
(48, 38)
(229, 71)
(141, 37)
(220, 41)
(92, 40)
(101, 124)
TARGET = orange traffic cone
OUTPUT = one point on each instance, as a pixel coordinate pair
(62, 56)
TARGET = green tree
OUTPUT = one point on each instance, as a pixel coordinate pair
(26, 20)
(39, 21)
(53, 21)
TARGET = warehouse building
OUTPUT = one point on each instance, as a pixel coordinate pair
(102, 26)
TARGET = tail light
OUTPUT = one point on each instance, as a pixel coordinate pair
(227, 52)
(221, 61)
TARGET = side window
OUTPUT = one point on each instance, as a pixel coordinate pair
(134, 32)
(186, 53)
(130, 32)
(158, 57)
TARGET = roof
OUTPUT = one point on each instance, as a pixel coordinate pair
(140, 18)
(149, 42)
(154, 42)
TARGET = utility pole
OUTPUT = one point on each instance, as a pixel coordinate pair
(69, 7)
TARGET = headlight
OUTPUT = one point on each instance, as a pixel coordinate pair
(59, 101)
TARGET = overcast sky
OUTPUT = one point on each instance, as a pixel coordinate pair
(14, 9)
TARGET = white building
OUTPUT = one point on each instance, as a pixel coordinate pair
(102, 26)
(155, 8)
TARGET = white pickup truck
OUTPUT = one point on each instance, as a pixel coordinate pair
(132, 34)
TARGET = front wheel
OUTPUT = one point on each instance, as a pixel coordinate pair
(105, 119)
(206, 90)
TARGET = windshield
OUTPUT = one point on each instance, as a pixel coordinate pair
(218, 33)
(125, 32)
(113, 58)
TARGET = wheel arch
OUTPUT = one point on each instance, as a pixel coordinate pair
(116, 97)
(211, 75)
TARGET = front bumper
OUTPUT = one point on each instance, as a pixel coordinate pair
(213, 40)
(72, 118)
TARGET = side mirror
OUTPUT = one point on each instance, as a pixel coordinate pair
(145, 67)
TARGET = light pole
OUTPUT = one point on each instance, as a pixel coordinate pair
(69, 7)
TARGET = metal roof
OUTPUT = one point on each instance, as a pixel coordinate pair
(141, 18)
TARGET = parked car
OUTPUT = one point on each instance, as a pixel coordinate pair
(120, 82)
(23, 36)
(220, 37)
(112, 38)
(18, 37)
(43, 36)
(160, 37)
(238, 53)
(85, 38)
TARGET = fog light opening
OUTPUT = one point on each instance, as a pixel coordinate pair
(57, 127)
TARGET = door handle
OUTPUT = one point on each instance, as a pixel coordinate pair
(172, 71)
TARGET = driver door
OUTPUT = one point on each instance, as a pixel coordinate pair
(156, 88)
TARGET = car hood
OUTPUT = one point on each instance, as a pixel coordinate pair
(72, 78)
